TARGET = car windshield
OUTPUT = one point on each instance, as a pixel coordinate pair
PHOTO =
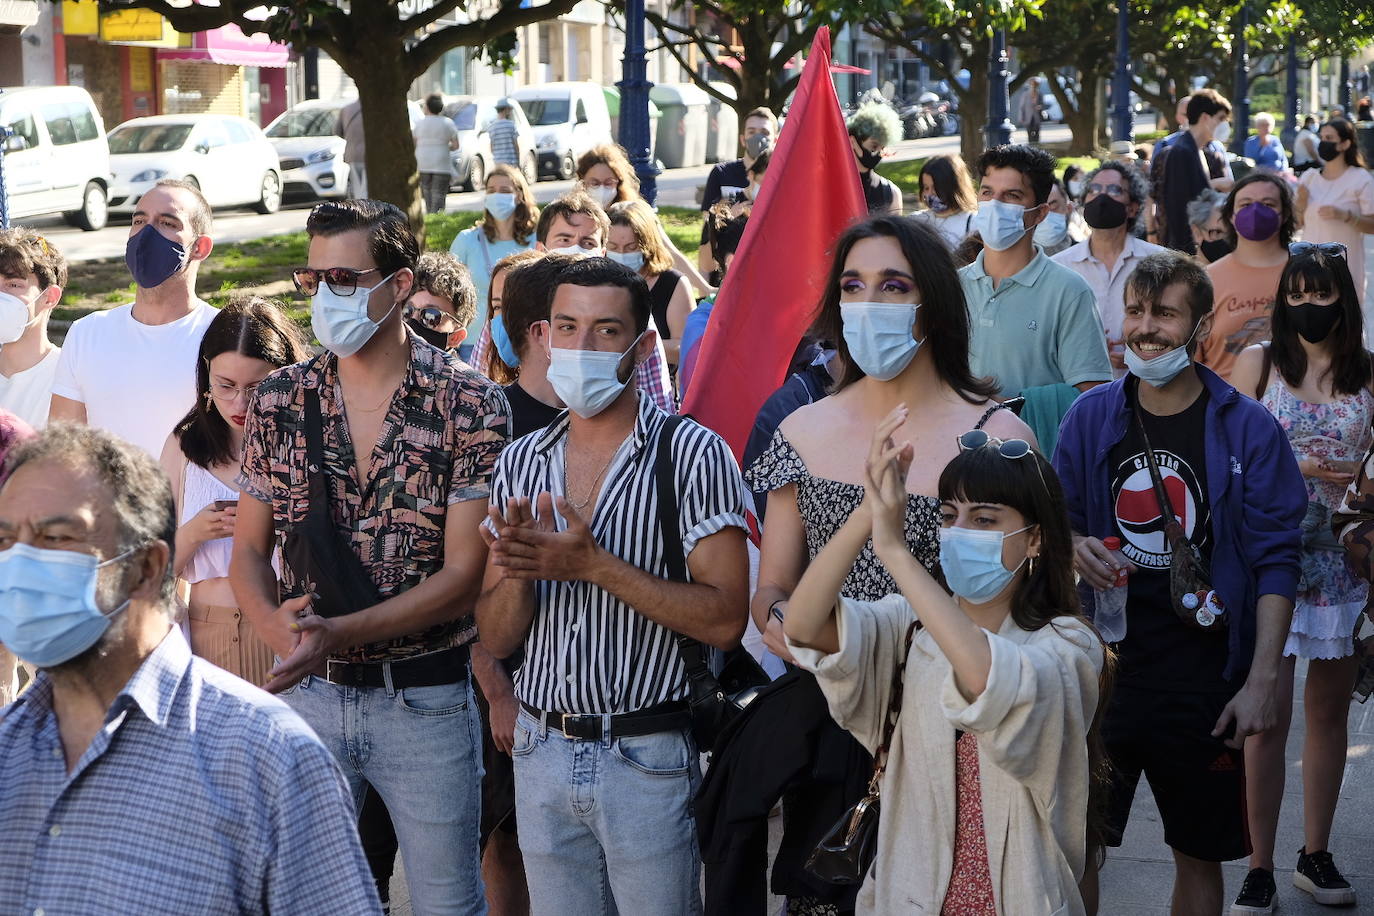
(464, 117)
(149, 138)
(542, 112)
(308, 122)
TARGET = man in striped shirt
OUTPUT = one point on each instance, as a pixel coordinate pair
(504, 133)
(605, 766)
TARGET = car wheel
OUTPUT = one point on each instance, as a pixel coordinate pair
(566, 166)
(270, 199)
(477, 174)
(531, 168)
(94, 212)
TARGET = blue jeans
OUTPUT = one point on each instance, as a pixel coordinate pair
(421, 749)
(607, 821)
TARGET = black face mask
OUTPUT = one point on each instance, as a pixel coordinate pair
(1314, 322)
(1215, 249)
(1104, 212)
(436, 338)
(1327, 150)
(870, 159)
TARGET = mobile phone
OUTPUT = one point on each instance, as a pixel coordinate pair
(222, 504)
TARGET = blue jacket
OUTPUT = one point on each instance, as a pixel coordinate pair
(1255, 489)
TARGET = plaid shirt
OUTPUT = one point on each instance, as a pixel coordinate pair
(199, 794)
(651, 376)
(442, 433)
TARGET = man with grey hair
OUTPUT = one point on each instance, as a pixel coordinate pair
(134, 777)
(1114, 197)
(1208, 226)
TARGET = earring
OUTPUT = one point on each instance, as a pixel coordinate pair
(1030, 566)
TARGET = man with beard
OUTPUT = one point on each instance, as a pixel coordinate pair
(1188, 691)
(134, 777)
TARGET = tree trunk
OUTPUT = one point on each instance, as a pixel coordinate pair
(1082, 119)
(973, 103)
(378, 67)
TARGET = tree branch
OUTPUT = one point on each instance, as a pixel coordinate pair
(420, 21)
(481, 32)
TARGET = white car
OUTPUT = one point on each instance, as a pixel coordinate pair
(228, 158)
(473, 159)
(310, 150)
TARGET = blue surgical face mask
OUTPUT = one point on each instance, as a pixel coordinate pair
(500, 206)
(1164, 368)
(631, 259)
(341, 322)
(152, 258)
(1052, 229)
(501, 339)
(1000, 224)
(879, 336)
(587, 380)
(972, 562)
(48, 609)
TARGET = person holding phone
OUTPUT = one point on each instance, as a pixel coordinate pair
(245, 342)
(1314, 376)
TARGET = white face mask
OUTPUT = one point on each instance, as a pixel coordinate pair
(603, 195)
(1000, 224)
(577, 251)
(341, 322)
(1223, 132)
(1052, 229)
(15, 317)
(587, 380)
(879, 336)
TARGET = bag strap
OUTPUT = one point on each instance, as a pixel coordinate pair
(1173, 531)
(693, 653)
(314, 453)
(894, 713)
(1264, 373)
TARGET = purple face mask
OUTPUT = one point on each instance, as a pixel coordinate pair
(1256, 222)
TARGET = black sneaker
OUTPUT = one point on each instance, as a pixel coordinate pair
(1256, 894)
(384, 892)
(1320, 877)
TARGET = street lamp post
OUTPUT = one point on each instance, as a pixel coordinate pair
(5, 134)
(998, 130)
(634, 102)
(1123, 125)
(1345, 88)
(1292, 108)
(1240, 126)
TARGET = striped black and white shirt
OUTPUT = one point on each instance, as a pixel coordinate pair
(587, 651)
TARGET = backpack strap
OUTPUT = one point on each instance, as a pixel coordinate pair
(1263, 385)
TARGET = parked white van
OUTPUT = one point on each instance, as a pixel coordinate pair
(56, 157)
(568, 120)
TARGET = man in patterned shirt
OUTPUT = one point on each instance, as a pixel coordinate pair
(408, 436)
(135, 778)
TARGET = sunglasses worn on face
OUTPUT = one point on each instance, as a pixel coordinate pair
(1113, 190)
(430, 317)
(342, 281)
(1330, 249)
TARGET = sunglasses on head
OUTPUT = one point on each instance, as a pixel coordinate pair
(430, 317)
(1330, 249)
(342, 281)
(1008, 448)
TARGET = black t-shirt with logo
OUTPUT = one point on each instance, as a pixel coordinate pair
(1159, 650)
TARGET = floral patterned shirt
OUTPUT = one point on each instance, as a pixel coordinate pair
(442, 433)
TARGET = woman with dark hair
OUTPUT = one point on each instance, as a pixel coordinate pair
(895, 309)
(996, 698)
(1336, 202)
(509, 216)
(947, 191)
(1315, 377)
(246, 342)
(1260, 220)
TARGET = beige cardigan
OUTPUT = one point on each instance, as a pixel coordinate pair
(1031, 723)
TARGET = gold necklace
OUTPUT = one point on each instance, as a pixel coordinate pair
(579, 506)
(384, 403)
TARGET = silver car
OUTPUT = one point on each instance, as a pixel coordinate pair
(473, 114)
(310, 150)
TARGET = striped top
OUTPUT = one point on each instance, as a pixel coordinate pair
(587, 651)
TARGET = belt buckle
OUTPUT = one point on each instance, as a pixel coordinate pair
(585, 727)
(335, 672)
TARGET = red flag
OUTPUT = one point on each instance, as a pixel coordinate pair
(769, 297)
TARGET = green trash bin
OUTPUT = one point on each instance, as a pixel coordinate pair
(683, 128)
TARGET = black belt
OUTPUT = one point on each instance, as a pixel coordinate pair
(449, 666)
(665, 717)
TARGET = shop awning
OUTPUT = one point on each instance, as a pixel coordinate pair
(21, 13)
(228, 45)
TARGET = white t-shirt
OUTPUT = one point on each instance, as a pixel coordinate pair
(136, 380)
(432, 137)
(28, 394)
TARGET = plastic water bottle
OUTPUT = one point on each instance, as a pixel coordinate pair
(1109, 612)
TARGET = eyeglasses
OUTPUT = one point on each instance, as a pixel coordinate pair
(1114, 190)
(430, 317)
(1330, 249)
(342, 281)
(611, 183)
(227, 393)
(975, 439)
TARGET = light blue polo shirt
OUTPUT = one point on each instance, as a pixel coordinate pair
(1040, 326)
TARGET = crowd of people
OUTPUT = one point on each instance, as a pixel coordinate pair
(1109, 478)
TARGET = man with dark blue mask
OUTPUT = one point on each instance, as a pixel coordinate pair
(128, 751)
(132, 369)
(1173, 462)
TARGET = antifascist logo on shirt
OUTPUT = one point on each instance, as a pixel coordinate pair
(1138, 515)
